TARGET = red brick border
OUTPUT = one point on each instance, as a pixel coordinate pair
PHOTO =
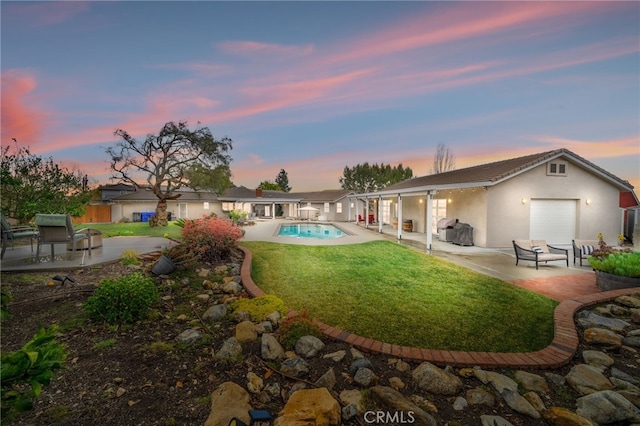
(560, 352)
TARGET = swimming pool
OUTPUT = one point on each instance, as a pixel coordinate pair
(311, 230)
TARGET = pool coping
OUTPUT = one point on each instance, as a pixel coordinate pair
(558, 353)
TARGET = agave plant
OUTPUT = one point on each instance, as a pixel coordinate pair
(181, 256)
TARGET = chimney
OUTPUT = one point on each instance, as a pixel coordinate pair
(259, 192)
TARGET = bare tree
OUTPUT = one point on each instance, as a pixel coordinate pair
(444, 160)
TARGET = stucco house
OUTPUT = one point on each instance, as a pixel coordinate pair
(555, 195)
(331, 205)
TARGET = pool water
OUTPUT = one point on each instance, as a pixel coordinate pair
(311, 230)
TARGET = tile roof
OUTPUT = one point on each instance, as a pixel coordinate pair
(327, 195)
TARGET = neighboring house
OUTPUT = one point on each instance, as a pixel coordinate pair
(190, 205)
(332, 205)
(556, 196)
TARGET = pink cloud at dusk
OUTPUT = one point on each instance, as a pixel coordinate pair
(457, 23)
(21, 118)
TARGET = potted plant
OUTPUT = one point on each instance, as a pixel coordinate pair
(177, 257)
(615, 268)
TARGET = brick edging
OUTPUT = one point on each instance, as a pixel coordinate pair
(560, 351)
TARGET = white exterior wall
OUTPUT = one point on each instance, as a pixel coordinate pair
(468, 205)
(509, 219)
(195, 209)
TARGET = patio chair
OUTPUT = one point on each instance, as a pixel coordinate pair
(538, 251)
(12, 233)
(582, 249)
(58, 229)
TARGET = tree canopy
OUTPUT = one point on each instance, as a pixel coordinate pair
(176, 157)
(283, 181)
(369, 178)
(31, 184)
(269, 186)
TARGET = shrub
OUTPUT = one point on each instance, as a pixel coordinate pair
(295, 327)
(237, 216)
(130, 257)
(23, 372)
(210, 238)
(182, 256)
(260, 307)
(623, 263)
(122, 301)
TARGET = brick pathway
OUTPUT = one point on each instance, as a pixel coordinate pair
(574, 292)
(561, 288)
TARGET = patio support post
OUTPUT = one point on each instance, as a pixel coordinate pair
(273, 210)
(380, 214)
(399, 217)
(429, 230)
(355, 218)
(366, 212)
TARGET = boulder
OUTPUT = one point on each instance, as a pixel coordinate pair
(270, 348)
(246, 332)
(597, 359)
(532, 382)
(602, 338)
(215, 312)
(396, 403)
(230, 350)
(228, 400)
(309, 346)
(607, 407)
(558, 416)
(310, 407)
(432, 379)
(189, 336)
(586, 379)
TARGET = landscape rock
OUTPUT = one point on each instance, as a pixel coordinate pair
(231, 287)
(460, 404)
(532, 382)
(432, 379)
(358, 364)
(353, 397)
(629, 301)
(189, 336)
(327, 380)
(365, 377)
(559, 416)
(246, 332)
(310, 407)
(618, 374)
(255, 384)
(478, 396)
(337, 356)
(536, 402)
(230, 350)
(586, 379)
(597, 359)
(590, 319)
(395, 401)
(215, 312)
(270, 348)
(396, 383)
(295, 367)
(228, 400)
(519, 403)
(603, 338)
(309, 346)
(607, 407)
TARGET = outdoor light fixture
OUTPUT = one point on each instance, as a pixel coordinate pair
(449, 201)
(420, 200)
(588, 201)
(523, 201)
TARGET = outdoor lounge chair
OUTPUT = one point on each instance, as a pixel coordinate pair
(58, 229)
(538, 251)
(582, 249)
(12, 233)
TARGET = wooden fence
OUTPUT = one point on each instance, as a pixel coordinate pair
(95, 214)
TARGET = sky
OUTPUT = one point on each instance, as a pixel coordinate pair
(314, 87)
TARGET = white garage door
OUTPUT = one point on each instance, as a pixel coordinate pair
(553, 221)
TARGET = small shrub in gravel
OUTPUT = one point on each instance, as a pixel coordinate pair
(294, 327)
(122, 301)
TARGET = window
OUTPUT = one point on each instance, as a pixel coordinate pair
(557, 168)
(227, 207)
(205, 205)
(338, 207)
(326, 207)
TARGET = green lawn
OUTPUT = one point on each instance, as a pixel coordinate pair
(391, 293)
(135, 229)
